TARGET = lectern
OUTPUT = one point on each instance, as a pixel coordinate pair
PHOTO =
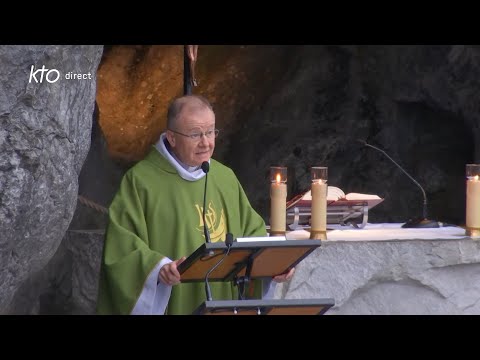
(241, 262)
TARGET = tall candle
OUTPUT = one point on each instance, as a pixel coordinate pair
(318, 213)
(472, 213)
(278, 207)
(319, 206)
(473, 203)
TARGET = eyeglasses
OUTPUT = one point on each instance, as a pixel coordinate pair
(209, 134)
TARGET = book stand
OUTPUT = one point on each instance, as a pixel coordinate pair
(340, 212)
(246, 261)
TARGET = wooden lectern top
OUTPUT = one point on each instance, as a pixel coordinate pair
(268, 258)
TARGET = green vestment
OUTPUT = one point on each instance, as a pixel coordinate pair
(156, 213)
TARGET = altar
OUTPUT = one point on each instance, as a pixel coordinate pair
(381, 269)
(384, 269)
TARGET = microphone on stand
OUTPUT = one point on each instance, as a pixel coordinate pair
(229, 242)
(205, 168)
(422, 222)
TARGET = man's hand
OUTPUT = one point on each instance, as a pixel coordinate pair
(169, 274)
(284, 277)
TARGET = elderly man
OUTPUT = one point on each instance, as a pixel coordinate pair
(155, 219)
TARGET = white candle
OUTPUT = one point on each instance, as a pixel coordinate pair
(319, 206)
(473, 203)
(278, 207)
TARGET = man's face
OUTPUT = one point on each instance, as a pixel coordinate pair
(193, 151)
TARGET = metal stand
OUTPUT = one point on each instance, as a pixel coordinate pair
(265, 307)
(354, 214)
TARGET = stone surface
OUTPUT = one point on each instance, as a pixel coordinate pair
(86, 250)
(44, 139)
(391, 277)
(68, 284)
(98, 182)
(47, 291)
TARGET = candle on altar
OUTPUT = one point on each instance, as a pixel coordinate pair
(472, 213)
(318, 220)
(278, 200)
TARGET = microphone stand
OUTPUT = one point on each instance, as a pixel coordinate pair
(422, 222)
(229, 243)
(205, 168)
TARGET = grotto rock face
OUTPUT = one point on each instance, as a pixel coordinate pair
(45, 126)
(418, 103)
(303, 106)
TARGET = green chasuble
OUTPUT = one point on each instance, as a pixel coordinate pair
(156, 213)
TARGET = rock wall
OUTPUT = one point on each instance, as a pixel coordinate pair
(45, 125)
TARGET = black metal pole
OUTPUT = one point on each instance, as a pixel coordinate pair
(187, 76)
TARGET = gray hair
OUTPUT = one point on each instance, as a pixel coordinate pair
(192, 102)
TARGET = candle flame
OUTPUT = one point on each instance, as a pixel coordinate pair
(278, 178)
(475, 178)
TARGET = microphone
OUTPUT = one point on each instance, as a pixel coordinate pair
(229, 242)
(205, 168)
(411, 223)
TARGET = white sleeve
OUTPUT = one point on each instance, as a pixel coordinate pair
(268, 288)
(154, 297)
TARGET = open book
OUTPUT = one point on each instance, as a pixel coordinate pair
(335, 197)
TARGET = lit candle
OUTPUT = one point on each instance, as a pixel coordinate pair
(278, 204)
(319, 203)
(472, 213)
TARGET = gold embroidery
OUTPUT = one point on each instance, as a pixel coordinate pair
(216, 226)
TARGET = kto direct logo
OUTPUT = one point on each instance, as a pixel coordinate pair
(52, 75)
